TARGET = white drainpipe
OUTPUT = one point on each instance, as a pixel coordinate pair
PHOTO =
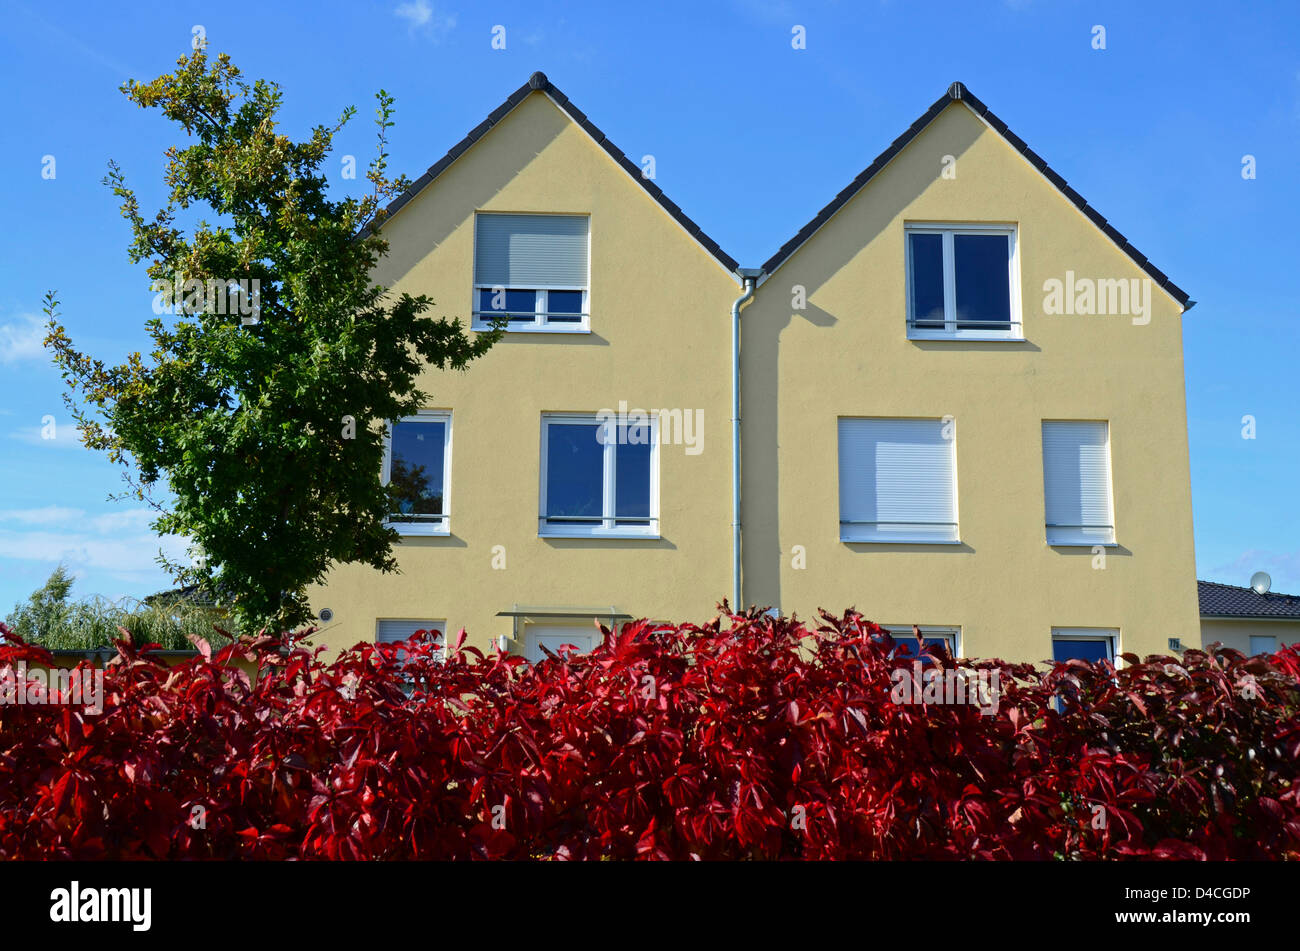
(749, 275)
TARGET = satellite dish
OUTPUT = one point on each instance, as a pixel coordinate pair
(1261, 582)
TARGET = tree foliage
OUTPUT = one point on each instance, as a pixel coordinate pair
(261, 405)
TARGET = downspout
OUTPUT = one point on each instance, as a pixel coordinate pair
(749, 275)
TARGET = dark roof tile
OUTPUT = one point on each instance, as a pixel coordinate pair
(958, 92)
(1227, 600)
(538, 82)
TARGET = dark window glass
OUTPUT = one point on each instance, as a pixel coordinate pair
(905, 644)
(574, 472)
(632, 465)
(415, 469)
(564, 306)
(517, 305)
(983, 283)
(927, 279)
(1064, 648)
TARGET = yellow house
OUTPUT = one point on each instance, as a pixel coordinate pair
(960, 397)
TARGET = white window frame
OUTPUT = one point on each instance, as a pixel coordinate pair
(608, 526)
(850, 532)
(950, 633)
(1061, 540)
(482, 320)
(429, 624)
(428, 525)
(1108, 634)
(950, 329)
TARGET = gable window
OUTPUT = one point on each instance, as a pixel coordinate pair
(1076, 482)
(905, 639)
(898, 481)
(1090, 644)
(532, 271)
(417, 467)
(962, 282)
(600, 476)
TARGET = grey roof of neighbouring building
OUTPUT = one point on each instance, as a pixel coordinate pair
(1228, 600)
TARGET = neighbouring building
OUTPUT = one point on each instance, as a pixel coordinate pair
(1253, 622)
(961, 390)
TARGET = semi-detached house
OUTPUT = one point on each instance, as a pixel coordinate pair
(960, 391)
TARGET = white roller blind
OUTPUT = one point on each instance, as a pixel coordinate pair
(897, 480)
(390, 630)
(1076, 482)
(531, 251)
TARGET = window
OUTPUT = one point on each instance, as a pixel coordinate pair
(600, 476)
(396, 630)
(1090, 644)
(962, 282)
(1076, 483)
(1262, 644)
(905, 639)
(417, 466)
(531, 270)
(898, 481)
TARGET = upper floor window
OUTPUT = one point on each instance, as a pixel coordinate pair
(531, 270)
(962, 282)
(1076, 482)
(417, 465)
(600, 476)
(898, 480)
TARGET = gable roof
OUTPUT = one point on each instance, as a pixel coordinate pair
(1227, 600)
(538, 82)
(959, 93)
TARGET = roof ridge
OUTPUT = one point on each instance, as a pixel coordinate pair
(959, 92)
(538, 82)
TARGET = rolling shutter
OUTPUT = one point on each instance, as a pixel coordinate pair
(530, 251)
(898, 480)
(1076, 482)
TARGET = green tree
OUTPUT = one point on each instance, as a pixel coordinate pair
(261, 405)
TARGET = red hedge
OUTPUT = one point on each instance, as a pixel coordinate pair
(760, 739)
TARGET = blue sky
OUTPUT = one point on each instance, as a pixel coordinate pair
(751, 137)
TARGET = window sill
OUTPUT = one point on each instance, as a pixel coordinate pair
(967, 335)
(416, 530)
(545, 329)
(895, 540)
(571, 533)
(1079, 544)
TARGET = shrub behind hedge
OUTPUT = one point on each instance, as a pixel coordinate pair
(746, 738)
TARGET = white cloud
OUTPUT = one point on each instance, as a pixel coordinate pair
(55, 435)
(118, 542)
(47, 515)
(420, 15)
(21, 339)
(1284, 567)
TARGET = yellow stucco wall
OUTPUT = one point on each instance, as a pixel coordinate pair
(847, 354)
(1237, 633)
(659, 340)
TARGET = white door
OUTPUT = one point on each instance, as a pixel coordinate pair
(583, 639)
